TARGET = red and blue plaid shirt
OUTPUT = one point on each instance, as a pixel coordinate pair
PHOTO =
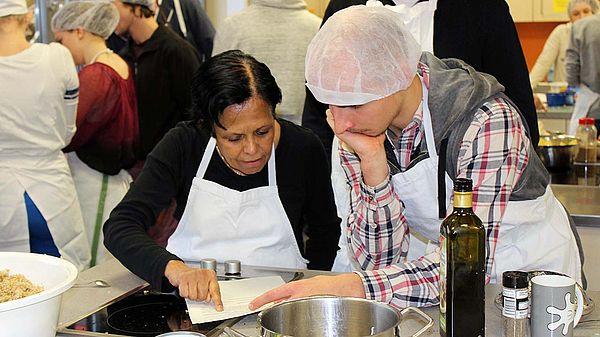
(493, 154)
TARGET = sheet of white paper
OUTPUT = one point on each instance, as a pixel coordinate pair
(236, 296)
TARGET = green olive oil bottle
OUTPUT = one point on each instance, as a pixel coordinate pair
(462, 268)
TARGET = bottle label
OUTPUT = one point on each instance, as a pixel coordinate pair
(442, 284)
(515, 303)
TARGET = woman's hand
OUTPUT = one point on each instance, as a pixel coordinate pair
(346, 285)
(195, 284)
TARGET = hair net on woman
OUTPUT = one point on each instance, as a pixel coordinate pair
(12, 7)
(361, 54)
(593, 5)
(97, 17)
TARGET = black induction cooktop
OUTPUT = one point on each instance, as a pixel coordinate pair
(150, 313)
(144, 313)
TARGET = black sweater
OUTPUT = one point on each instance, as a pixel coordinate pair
(304, 189)
(479, 32)
(163, 68)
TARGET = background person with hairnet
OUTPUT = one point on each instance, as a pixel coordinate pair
(39, 208)
(107, 122)
(432, 120)
(555, 49)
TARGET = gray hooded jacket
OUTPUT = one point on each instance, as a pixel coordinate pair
(456, 93)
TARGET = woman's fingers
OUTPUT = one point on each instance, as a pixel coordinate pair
(215, 295)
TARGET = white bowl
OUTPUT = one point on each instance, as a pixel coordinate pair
(35, 315)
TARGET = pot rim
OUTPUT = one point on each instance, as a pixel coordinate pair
(352, 299)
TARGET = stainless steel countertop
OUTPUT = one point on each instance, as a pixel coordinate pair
(583, 202)
(556, 112)
(80, 302)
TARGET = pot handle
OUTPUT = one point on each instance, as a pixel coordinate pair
(233, 333)
(420, 313)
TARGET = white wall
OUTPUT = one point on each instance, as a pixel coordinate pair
(218, 10)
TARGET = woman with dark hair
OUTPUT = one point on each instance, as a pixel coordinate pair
(246, 184)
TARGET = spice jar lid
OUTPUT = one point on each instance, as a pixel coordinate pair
(515, 279)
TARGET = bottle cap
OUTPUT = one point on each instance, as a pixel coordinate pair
(586, 121)
(515, 279)
(463, 185)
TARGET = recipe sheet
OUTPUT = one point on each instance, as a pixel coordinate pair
(236, 296)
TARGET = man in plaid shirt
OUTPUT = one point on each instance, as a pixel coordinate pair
(407, 125)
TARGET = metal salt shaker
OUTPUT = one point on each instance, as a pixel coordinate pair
(208, 264)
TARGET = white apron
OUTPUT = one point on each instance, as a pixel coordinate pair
(585, 98)
(221, 223)
(98, 194)
(534, 234)
(48, 182)
(417, 18)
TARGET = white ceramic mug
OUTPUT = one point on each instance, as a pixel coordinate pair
(552, 311)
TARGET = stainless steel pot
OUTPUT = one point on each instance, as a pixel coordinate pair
(332, 316)
(557, 152)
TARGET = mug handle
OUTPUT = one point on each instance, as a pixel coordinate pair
(579, 310)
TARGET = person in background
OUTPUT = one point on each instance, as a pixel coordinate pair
(481, 33)
(245, 182)
(163, 65)
(188, 19)
(39, 209)
(407, 125)
(276, 32)
(555, 49)
(107, 125)
(583, 69)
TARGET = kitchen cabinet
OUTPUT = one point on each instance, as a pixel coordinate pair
(550, 10)
(521, 10)
(538, 10)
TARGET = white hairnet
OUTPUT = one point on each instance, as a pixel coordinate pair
(12, 7)
(97, 17)
(593, 4)
(361, 54)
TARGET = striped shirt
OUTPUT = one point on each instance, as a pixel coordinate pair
(493, 154)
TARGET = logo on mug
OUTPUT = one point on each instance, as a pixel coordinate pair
(566, 315)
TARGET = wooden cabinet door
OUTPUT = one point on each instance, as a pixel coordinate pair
(550, 10)
(521, 10)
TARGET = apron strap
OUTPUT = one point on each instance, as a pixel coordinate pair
(442, 179)
(427, 123)
(99, 216)
(271, 168)
(208, 152)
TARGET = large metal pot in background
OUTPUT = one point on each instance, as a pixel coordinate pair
(332, 316)
(557, 151)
